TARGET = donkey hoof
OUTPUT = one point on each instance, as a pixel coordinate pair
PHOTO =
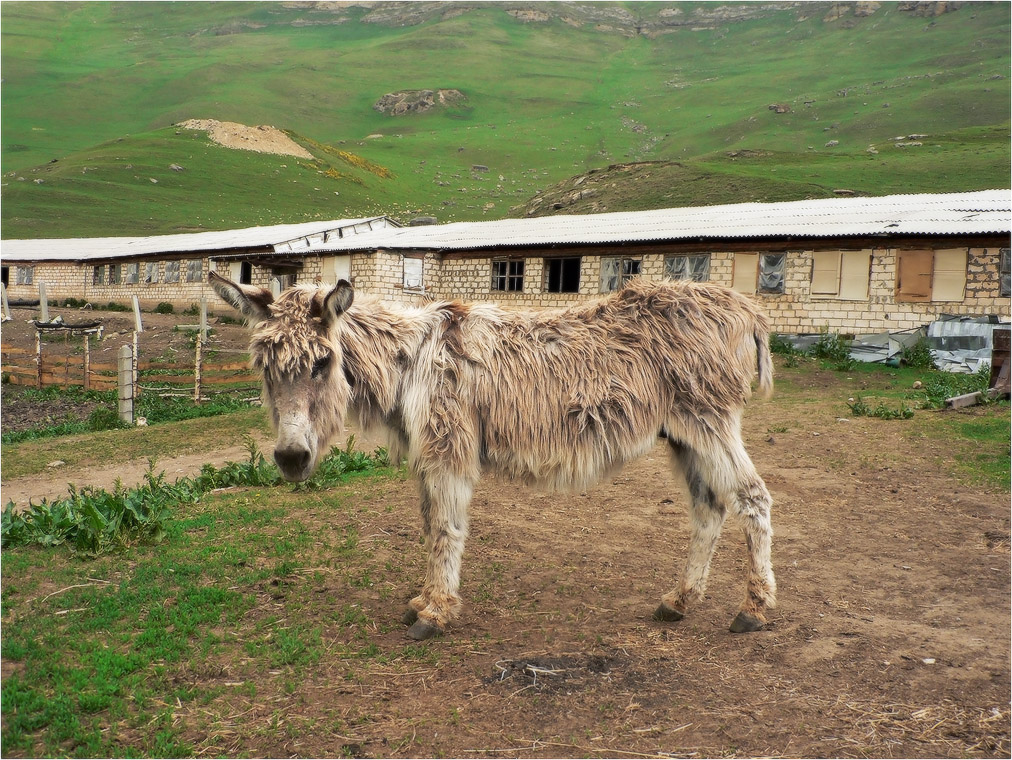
(420, 630)
(667, 614)
(746, 623)
(410, 616)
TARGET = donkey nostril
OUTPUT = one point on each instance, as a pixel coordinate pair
(291, 460)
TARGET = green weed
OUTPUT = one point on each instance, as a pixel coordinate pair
(94, 521)
(860, 408)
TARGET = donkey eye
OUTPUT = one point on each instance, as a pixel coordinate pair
(320, 365)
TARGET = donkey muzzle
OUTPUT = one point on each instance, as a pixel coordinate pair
(295, 463)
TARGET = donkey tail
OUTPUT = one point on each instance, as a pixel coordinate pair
(764, 360)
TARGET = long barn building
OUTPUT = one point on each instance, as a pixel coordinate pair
(855, 265)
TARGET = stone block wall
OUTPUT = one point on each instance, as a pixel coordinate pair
(469, 278)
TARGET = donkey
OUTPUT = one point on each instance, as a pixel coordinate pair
(559, 398)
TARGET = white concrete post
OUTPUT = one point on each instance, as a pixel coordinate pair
(126, 384)
(7, 307)
(43, 303)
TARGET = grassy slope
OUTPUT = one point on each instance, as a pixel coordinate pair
(545, 102)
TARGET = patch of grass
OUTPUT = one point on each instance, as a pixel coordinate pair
(938, 386)
(28, 457)
(119, 655)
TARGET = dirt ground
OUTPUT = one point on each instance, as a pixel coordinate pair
(891, 638)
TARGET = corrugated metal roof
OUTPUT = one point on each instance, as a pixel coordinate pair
(83, 249)
(984, 212)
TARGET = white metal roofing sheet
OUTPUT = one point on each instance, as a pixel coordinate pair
(983, 212)
(78, 249)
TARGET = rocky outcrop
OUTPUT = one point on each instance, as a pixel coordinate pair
(417, 101)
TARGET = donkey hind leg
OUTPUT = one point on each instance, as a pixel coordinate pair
(751, 508)
(706, 518)
(445, 522)
(733, 477)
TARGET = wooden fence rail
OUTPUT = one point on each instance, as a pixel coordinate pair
(21, 368)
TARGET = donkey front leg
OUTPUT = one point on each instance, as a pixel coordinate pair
(445, 522)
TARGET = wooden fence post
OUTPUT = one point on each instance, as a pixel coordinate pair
(38, 358)
(126, 385)
(87, 362)
(196, 370)
(136, 391)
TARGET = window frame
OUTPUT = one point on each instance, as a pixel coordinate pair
(929, 275)
(778, 270)
(172, 271)
(841, 275)
(132, 273)
(417, 262)
(561, 263)
(194, 270)
(508, 275)
(626, 268)
(671, 265)
(24, 275)
(150, 272)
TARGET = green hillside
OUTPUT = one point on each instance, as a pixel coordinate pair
(552, 91)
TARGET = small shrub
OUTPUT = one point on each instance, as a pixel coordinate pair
(74, 303)
(193, 310)
(939, 386)
(860, 408)
(113, 306)
(164, 307)
(104, 418)
(834, 350)
(919, 355)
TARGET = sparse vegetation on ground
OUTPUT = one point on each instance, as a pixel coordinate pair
(266, 621)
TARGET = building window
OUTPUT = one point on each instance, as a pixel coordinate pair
(695, 267)
(285, 276)
(508, 275)
(132, 274)
(115, 274)
(563, 275)
(98, 275)
(772, 267)
(414, 270)
(150, 272)
(924, 275)
(246, 273)
(194, 270)
(1003, 272)
(172, 271)
(616, 272)
(25, 275)
(841, 274)
(744, 274)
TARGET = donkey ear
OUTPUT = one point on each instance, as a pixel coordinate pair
(339, 299)
(249, 301)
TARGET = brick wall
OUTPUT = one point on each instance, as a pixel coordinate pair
(469, 278)
(794, 311)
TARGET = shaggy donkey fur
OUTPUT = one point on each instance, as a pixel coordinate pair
(560, 399)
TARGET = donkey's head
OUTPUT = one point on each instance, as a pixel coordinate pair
(296, 347)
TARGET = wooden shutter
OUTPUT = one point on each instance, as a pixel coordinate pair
(855, 272)
(746, 272)
(825, 273)
(949, 282)
(913, 276)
